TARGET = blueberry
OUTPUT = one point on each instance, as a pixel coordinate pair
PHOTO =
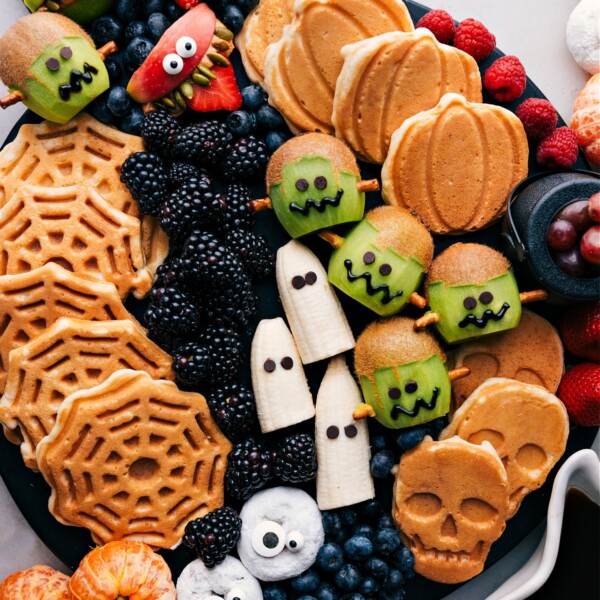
(349, 516)
(393, 581)
(326, 591)
(114, 67)
(409, 438)
(398, 594)
(106, 29)
(330, 558)
(386, 541)
(436, 426)
(407, 560)
(347, 578)
(157, 24)
(306, 582)
(386, 521)
(274, 139)
(378, 442)
(133, 121)
(307, 597)
(137, 51)
(358, 548)
(372, 509)
(246, 5)
(233, 18)
(269, 118)
(369, 586)
(253, 96)
(127, 10)
(377, 567)
(153, 6)
(174, 12)
(353, 596)
(331, 522)
(274, 592)
(241, 122)
(382, 463)
(363, 530)
(99, 109)
(119, 102)
(135, 29)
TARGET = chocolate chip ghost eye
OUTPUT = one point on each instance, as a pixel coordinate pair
(269, 365)
(268, 539)
(310, 278)
(66, 52)
(469, 303)
(320, 182)
(385, 269)
(411, 387)
(394, 393)
(301, 185)
(333, 432)
(287, 362)
(236, 593)
(350, 431)
(298, 282)
(295, 541)
(53, 64)
(486, 297)
(369, 258)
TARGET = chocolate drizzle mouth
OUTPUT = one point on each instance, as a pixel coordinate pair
(318, 206)
(77, 77)
(371, 290)
(488, 315)
(398, 410)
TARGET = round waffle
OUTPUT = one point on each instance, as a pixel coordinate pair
(70, 355)
(134, 458)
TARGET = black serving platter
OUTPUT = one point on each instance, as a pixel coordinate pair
(70, 544)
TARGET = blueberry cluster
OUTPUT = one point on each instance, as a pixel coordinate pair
(232, 12)
(135, 26)
(363, 558)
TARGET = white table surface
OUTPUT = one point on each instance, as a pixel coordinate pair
(533, 30)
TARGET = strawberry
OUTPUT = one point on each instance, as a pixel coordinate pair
(222, 94)
(580, 331)
(187, 4)
(579, 389)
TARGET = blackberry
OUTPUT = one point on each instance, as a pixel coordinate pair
(193, 204)
(224, 346)
(205, 142)
(145, 176)
(211, 262)
(296, 459)
(234, 410)
(245, 160)
(233, 306)
(238, 215)
(180, 172)
(253, 250)
(191, 363)
(249, 468)
(172, 311)
(213, 536)
(159, 130)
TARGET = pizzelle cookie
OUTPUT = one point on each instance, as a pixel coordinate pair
(527, 425)
(531, 353)
(134, 458)
(391, 77)
(454, 165)
(76, 228)
(302, 68)
(70, 355)
(32, 301)
(262, 27)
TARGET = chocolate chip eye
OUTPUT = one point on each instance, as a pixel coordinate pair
(310, 278)
(53, 64)
(333, 432)
(351, 431)
(298, 282)
(66, 52)
(301, 185)
(486, 297)
(411, 387)
(287, 362)
(469, 303)
(320, 182)
(369, 258)
(385, 269)
(269, 365)
(394, 393)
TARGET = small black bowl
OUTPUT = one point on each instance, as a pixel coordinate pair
(532, 206)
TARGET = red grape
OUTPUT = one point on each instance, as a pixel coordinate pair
(590, 245)
(571, 262)
(594, 207)
(577, 214)
(561, 235)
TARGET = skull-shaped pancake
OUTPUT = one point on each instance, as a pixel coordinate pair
(450, 504)
(527, 425)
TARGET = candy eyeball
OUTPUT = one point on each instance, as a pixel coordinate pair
(294, 541)
(172, 64)
(236, 593)
(268, 539)
(186, 47)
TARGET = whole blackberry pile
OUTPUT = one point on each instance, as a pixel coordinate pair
(234, 410)
(296, 459)
(213, 536)
(191, 364)
(254, 252)
(245, 159)
(232, 307)
(226, 352)
(249, 468)
(159, 130)
(145, 176)
(206, 142)
(238, 214)
(172, 311)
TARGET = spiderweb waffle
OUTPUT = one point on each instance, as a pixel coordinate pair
(32, 301)
(134, 458)
(70, 355)
(76, 228)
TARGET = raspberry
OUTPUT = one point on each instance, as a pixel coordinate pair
(505, 79)
(558, 150)
(440, 23)
(474, 38)
(539, 118)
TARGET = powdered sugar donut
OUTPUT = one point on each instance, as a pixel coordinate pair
(228, 581)
(281, 533)
(583, 35)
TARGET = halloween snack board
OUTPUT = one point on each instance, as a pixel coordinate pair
(358, 318)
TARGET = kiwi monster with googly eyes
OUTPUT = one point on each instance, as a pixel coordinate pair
(281, 533)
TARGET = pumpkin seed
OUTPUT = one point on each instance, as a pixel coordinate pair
(224, 33)
(187, 89)
(206, 72)
(218, 59)
(200, 79)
